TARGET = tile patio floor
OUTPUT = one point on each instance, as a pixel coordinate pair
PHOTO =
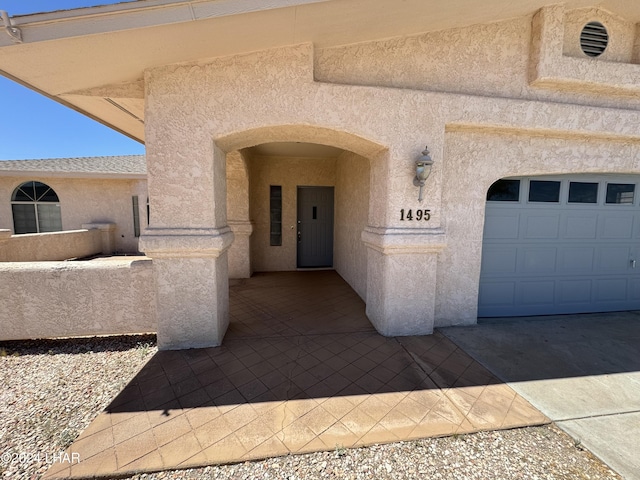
(300, 370)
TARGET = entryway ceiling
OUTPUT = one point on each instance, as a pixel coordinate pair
(295, 149)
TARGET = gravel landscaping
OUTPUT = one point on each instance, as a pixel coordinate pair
(52, 389)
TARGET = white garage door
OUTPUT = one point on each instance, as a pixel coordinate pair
(563, 244)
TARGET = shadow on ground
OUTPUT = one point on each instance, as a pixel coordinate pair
(300, 370)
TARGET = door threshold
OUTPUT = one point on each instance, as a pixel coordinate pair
(307, 269)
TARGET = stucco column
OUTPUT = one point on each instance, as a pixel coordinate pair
(188, 239)
(192, 285)
(188, 236)
(107, 235)
(239, 253)
(401, 279)
(238, 215)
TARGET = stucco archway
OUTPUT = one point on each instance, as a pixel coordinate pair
(290, 157)
(301, 133)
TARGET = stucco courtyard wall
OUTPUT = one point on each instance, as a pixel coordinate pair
(52, 246)
(85, 200)
(62, 299)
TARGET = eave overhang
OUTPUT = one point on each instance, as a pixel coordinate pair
(93, 59)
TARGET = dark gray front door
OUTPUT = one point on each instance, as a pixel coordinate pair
(315, 227)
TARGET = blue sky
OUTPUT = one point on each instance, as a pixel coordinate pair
(32, 126)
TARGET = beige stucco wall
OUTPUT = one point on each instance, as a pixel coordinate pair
(490, 101)
(351, 218)
(494, 59)
(61, 299)
(85, 200)
(52, 246)
(289, 173)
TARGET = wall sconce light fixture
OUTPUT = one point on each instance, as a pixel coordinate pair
(423, 169)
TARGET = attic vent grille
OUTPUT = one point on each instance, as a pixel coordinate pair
(594, 39)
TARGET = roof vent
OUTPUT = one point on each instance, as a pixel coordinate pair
(594, 39)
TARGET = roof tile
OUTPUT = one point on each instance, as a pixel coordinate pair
(121, 164)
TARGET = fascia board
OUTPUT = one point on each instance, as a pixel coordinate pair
(42, 27)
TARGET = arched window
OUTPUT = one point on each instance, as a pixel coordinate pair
(36, 209)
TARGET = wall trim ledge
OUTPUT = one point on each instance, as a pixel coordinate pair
(186, 242)
(391, 241)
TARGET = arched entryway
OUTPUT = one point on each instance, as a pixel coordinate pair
(299, 205)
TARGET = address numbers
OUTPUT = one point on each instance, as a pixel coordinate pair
(419, 214)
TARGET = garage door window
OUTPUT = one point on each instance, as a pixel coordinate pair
(504, 191)
(544, 191)
(583, 192)
(620, 193)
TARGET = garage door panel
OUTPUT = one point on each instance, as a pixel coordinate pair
(618, 227)
(634, 287)
(505, 226)
(575, 291)
(576, 260)
(611, 289)
(581, 226)
(538, 260)
(614, 258)
(542, 226)
(498, 294)
(537, 293)
(498, 260)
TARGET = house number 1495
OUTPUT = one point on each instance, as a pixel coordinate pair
(420, 214)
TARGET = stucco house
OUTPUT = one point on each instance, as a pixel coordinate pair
(291, 134)
(61, 194)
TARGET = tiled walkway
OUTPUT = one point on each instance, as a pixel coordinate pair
(300, 370)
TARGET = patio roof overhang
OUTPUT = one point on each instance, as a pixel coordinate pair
(93, 59)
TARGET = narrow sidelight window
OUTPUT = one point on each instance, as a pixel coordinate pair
(136, 216)
(275, 207)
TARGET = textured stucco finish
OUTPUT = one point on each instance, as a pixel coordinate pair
(42, 247)
(191, 278)
(351, 214)
(622, 34)
(509, 59)
(63, 299)
(87, 200)
(192, 301)
(550, 68)
(534, 109)
(238, 216)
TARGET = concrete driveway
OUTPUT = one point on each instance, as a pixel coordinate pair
(582, 371)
